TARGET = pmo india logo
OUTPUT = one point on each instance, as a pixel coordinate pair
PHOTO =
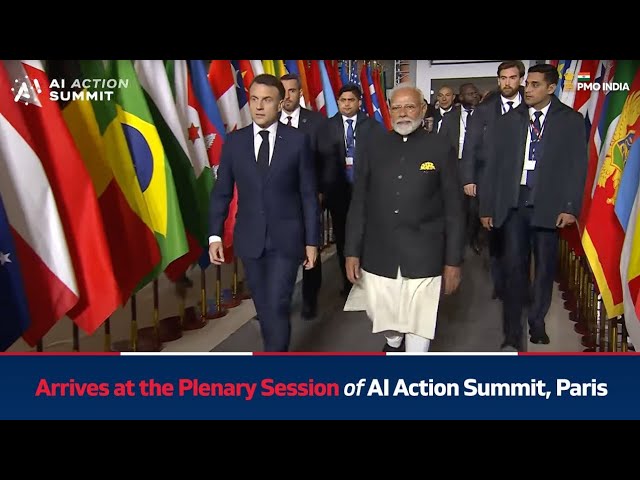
(585, 83)
(26, 90)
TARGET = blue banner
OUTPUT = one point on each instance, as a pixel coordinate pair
(77, 386)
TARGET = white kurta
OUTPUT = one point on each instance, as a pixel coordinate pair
(404, 305)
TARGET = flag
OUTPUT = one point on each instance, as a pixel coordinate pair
(203, 109)
(32, 213)
(366, 91)
(344, 72)
(152, 166)
(99, 137)
(597, 115)
(199, 138)
(269, 67)
(247, 74)
(382, 98)
(375, 102)
(306, 93)
(630, 257)
(13, 299)
(279, 68)
(293, 67)
(584, 77)
(241, 94)
(159, 97)
(99, 294)
(222, 83)
(603, 235)
(334, 75)
(314, 79)
(256, 67)
(327, 90)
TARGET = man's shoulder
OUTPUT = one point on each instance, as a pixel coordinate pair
(311, 115)
(243, 132)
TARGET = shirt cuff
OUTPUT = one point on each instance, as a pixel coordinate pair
(214, 238)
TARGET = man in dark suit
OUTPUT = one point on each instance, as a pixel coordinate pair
(533, 186)
(454, 129)
(278, 220)
(310, 123)
(511, 94)
(445, 100)
(339, 146)
(406, 225)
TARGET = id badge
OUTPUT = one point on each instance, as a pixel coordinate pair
(349, 161)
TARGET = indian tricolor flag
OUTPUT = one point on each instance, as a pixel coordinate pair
(584, 77)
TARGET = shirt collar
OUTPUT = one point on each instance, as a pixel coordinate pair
(543, 110)
(272, 129)
(295, 115)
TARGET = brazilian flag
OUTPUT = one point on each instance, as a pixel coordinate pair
(152, 168)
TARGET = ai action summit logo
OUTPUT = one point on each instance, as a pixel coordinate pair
(26, 90)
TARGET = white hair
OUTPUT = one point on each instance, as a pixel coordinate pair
(406, 86)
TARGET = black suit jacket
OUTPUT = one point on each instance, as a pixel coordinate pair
(474, 154)
(333, 152)
(407, 207)
(450, 128)
(311, 123)
(560, 173)
(285, 202)
(437, 116)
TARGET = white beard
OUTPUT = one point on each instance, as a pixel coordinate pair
(407, 128)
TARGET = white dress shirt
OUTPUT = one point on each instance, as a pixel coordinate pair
(505, 105)
(257, 141)
(345, 125)
(529, 165)
(295, 117)
(464, 118)
(442, 112)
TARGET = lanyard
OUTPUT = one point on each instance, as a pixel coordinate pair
(532, 129)
(344, 136)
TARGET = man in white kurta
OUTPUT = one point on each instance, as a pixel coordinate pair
(405, 227)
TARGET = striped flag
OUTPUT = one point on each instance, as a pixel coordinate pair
(32, 212)
(584, 77)
(76, 198)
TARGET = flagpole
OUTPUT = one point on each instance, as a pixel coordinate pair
(107, 335)
(189, 319)
(76, 338)
(219, 311)
(170, 328)
(235, 299)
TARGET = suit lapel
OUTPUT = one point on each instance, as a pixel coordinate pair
(249, 153)
(277, 151)
(339, 132)
(302, 121)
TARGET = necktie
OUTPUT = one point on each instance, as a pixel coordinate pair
(263, 152)
(510, 103)
(351, 148)
(534, 147)
(288, 119)
(466, 120)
